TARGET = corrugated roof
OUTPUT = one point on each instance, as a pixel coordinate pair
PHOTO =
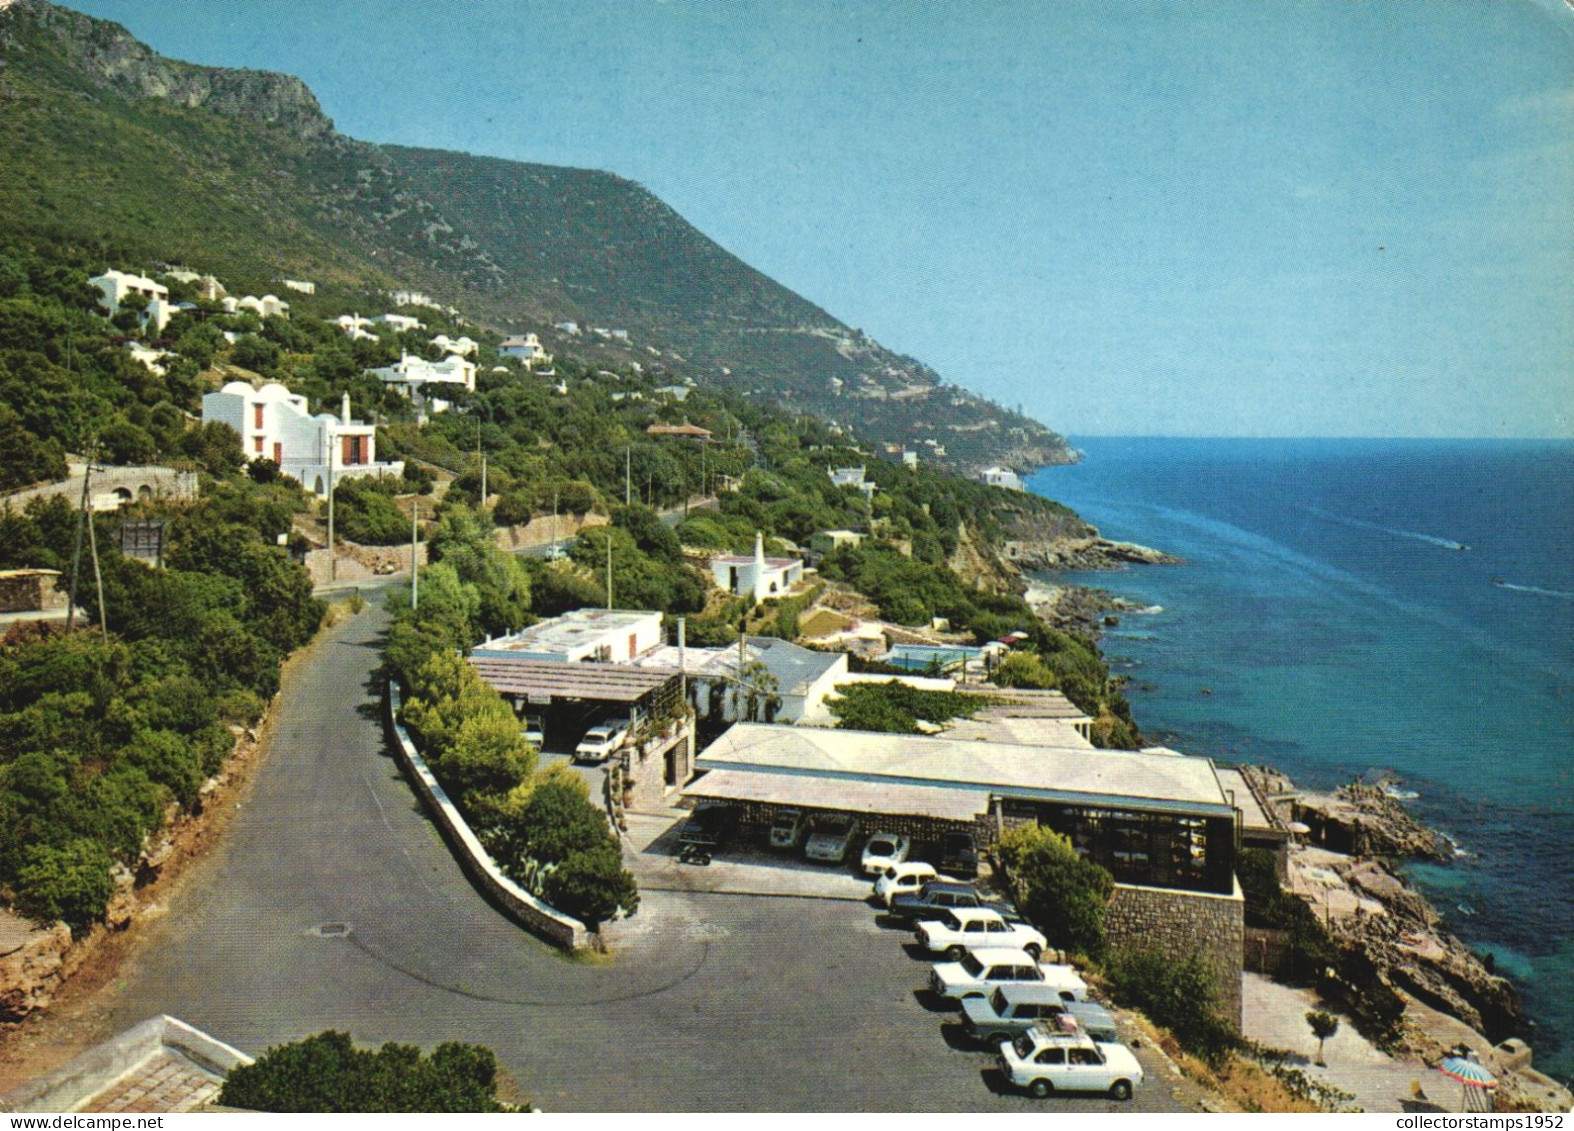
(1102, 777)
(847, 796)
(543, 679)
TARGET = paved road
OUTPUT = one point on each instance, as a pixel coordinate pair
(722, 1002)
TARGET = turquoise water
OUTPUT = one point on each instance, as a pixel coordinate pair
(1356, 605)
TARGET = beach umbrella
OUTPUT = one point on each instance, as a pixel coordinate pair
(1476, 1079)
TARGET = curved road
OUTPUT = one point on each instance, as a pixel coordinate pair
(333, 903)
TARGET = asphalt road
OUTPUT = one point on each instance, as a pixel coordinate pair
(714, 1002)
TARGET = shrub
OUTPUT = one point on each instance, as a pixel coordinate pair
(1065, 895)
(72, 882)
(327, 1073)
(592, 885)
(1181, 996)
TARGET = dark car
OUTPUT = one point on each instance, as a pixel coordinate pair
(708, 829)
(959, 855)
(941, 895)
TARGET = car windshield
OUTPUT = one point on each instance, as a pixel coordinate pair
(880, 846)
(1000, 1003)
(1023, 1044)
(972, 965)
(596, 734)
(836, 826)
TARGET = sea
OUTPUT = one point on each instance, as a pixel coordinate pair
(1351, 607)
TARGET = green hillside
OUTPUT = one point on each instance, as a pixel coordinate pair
(112, 155)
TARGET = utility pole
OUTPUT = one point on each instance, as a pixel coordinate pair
(333, 557)
(609, 569)
(76, 544)
(98, 578)
(628, 464)
(415, 574)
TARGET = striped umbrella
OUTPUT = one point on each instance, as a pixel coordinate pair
(1469, 1072)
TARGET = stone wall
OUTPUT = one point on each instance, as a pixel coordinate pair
(1182, 923)
(362, 563)
(644, 774)
(545, 530)
(24, 591)
(114, 487)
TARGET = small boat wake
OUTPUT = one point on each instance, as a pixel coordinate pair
(1415, 535)
(1560, 594)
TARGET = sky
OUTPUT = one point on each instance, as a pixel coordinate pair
(1243, 218)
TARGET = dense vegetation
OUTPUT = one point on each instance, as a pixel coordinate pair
(327, 1073)
(1057, 888)
(104, 733)
(897, 708)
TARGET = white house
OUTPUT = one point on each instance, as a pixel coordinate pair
(268, 306)
(412, 374)
(304, 286)
(464, 345)
(593, 635)
(569, 328)
(116, 286)
(410, 298)
(526, 348)
(851, 477)
(358, 328)
(757, 575)
(998, 476)
(273, 424)
(399, 322)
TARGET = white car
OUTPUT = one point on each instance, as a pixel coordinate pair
(533, 732)
(830, 838)
(883, 850)
(600, 741)
(981, 971)
(906, 877)
(1045, 1062)
(961, 929)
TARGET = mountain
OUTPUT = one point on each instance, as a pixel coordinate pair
(131, 158)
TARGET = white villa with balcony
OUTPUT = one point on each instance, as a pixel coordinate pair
(316, 450)
(755, 575)
(116, 286)
(411, 376)
(526, 348)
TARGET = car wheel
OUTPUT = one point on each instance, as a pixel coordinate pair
(994, 1040)
(1120, 1090)
(1033, 950)
(956, 953)
(1041, 1089)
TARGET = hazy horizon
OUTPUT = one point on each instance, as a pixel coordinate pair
(1287, 219)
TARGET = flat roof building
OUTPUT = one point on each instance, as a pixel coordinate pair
(606, 635)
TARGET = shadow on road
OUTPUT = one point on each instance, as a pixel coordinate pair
(932, 1001)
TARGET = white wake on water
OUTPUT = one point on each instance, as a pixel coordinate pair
(1346, 520)
(1558, 593)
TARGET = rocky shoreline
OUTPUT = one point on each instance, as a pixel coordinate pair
(1346, 866)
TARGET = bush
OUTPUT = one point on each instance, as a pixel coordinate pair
(1065, 895)
(327, 1073)
(1181, 996)
(592, 885)
(72, 882)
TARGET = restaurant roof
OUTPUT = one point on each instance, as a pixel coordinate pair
(571, 630)
(852, 796)
(1081, 776)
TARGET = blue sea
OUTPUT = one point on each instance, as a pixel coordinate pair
(1359, 605)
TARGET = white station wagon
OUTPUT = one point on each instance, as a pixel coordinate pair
(981, 971)
(898, 879)
(961, 929)
(1045, 1062)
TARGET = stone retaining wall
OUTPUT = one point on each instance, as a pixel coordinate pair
(362, 563)
(525, 909)
(545, 530)
(1183, 923)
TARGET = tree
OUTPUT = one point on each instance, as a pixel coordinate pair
(1065, 895)
(1181, 995)
(72, 882)
(1324, 1025)
(327, 1073)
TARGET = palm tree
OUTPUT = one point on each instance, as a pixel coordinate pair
(1324, 1025)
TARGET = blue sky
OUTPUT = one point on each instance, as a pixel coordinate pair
(1239, 218)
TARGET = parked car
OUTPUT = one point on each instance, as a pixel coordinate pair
(533, 731)
(958, 930)
(882, 851)
(787, 828)
(1044, 1061)
(601, 741)
(903, 879)
(1014, 1009)
(708, 830)
(830, 838)
(939, 895)
(981, 972)
(959, 855)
